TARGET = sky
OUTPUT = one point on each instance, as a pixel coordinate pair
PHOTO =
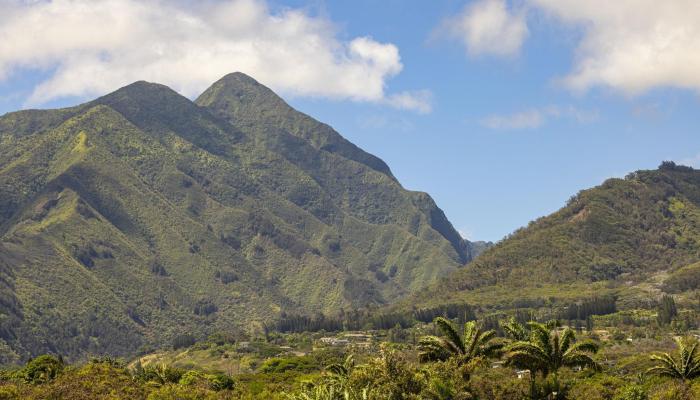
(501, 110)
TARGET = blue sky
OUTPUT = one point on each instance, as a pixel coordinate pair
(500, 110)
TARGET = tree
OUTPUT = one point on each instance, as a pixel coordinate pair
(42, 369)
(474, 343)
(340, 373)
(667, 310)
(686, 367)
(514, 330)
(546, 351)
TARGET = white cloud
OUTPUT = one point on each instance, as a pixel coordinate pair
(537, 117)
(420, 100)
(90, 47)
(632, 45)
(488, 27)
(529, 119)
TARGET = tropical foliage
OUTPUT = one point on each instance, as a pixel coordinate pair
(686, 366)
(467, 348)
(546, 351)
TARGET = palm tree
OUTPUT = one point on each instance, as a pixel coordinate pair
(546, 351)
(514, 330)
(474, 343)
(340, 373)
(686, 367)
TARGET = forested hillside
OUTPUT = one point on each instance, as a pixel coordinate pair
(142, 215)
(633, 238)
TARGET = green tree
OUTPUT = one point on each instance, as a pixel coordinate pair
(514, 330)
(685, 367)
(667, 310)
(546, 351)
(340, 373)
(474, 343)
(42, 369)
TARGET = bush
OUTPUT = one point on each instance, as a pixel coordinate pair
(219, 382)
(279, 365)
(191, 378)
(633, 392)
(42, 369)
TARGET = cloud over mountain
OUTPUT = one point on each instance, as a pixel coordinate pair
(88, 48)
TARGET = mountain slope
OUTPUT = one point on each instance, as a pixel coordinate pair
(624, 237)
(140, 216)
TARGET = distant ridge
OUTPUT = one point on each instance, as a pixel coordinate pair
(633, 238)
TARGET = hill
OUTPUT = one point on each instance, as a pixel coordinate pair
(141, 215)
(631, 238)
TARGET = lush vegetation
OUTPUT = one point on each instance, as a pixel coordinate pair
(628, 239)
(233, 247)
(443, 360)
(142, 216)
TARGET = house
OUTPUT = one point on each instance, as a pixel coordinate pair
(522, 373)
(331, 341)
(359, 337)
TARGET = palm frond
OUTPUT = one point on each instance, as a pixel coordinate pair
(514, 330)
(587, 346)
(433, 348)
(449, 330)
(540, 334)
(686, 366)
(579, 359)
(567, 339)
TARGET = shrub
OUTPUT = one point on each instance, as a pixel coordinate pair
(191, 378)
(42, 369)
(219, 382)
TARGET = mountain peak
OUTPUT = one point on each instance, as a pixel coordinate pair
(240, 92)
(141, 88)
(243, 101)
(239, 76)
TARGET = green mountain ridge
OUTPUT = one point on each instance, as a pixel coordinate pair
(142, 215)
(634, 238)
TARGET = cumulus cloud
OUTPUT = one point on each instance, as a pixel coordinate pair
(632, 45)
(487, 27)
(90, 47)
(537, 117)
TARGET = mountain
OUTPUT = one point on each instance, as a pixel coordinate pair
(478, 246)
(140, 216)
(632, 238)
